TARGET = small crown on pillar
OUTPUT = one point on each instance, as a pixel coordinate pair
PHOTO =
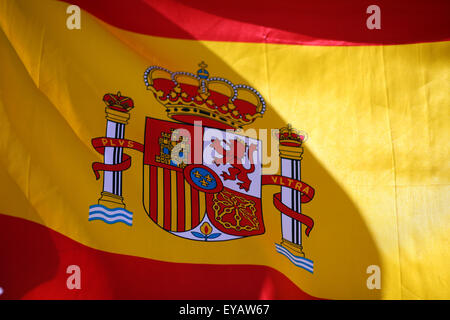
(291, 137)
(118, 102)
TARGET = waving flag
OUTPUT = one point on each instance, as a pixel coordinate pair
(224, 150)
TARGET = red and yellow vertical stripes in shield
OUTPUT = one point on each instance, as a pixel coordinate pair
(170, 201)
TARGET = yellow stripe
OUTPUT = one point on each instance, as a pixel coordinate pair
(146, 187)
(174, 206)
(161, 197)
(187, 203)
(202, 205)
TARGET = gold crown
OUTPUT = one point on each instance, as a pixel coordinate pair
(216, 101)
(289, 136)
(118, 102)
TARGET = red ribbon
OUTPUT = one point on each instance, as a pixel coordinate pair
(307, 194)
(101, 143)
(306, 190)
(309, 222)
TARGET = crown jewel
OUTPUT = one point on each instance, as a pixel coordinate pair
(289, 136)
(216, 101)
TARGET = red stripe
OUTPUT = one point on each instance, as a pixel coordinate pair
(167, 200)
(325, 22)
(36, 259)
(195, 215)
(180, 202)
(153, 193)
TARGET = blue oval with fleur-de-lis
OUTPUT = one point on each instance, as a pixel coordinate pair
(203, 179)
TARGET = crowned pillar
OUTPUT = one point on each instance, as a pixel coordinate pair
(117, 117)
(291, 153)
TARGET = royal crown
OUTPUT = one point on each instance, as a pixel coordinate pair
(289, 136)
(118, 102)
(216, 101)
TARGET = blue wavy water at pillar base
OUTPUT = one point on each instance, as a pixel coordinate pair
(110, 216)
(301, 262)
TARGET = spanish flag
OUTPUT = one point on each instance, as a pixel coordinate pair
(224, 149)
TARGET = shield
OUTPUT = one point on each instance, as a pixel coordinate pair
(202, 183)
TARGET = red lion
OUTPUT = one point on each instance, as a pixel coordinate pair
(234, 156)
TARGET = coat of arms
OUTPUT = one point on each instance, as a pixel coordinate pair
(202, 178)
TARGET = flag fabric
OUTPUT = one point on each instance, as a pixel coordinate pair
(117, 156)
